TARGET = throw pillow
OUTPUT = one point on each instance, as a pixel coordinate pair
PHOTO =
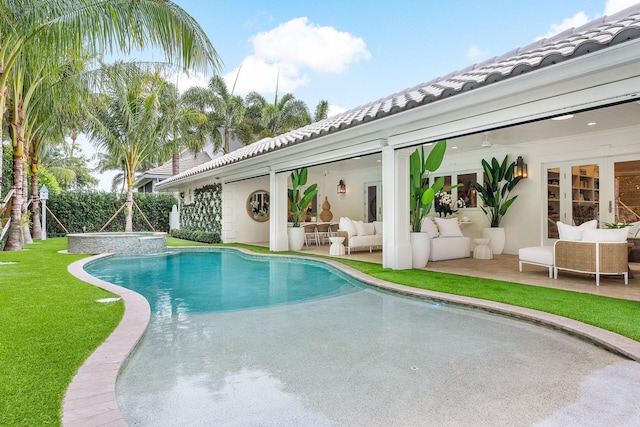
(448, 227)
(370, 228)
(362, 230)
(347, 225)
(633, 230)
(574, 233)
(605, 235)
(429, 227)
(378, 226)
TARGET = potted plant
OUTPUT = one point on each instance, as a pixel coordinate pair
(494, 194)
(298, 205)
(421, 197)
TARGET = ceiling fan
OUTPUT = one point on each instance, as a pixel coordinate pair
(485, 141)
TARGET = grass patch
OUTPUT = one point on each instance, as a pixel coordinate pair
(50, 323)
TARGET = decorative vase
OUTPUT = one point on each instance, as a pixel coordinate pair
(498, 239)
(296, 238)
(326, 215)
(420, 249)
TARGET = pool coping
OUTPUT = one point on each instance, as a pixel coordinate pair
(90, 399)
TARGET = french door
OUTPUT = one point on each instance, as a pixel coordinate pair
(607, 190)
(373, 201)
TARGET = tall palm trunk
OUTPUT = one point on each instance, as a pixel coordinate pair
(175, 162)
(14, 240)
(128, 210)
(3, 95)
(26, 229)
(35, 197)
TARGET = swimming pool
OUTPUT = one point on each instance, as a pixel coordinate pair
(349, 356)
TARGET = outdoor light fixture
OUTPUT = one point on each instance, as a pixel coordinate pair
(342, 188)
(521, 168)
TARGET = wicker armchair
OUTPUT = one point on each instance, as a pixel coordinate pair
(592, 257)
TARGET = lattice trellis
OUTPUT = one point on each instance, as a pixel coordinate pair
(205, 213)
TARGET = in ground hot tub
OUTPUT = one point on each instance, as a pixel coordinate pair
(117, 243)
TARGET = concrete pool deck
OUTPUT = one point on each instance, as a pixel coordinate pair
(91, 401)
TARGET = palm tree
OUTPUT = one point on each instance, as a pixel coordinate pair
(125, 120)
(181, 124)
(59, 28)
(322, 110)
(269, 120)
(225, 112)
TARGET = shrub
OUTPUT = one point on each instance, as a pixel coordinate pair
(196, 236)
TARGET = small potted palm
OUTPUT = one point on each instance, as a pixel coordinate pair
(495, 197)
(298, 205)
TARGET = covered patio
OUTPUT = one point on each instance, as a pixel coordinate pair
(505, 267)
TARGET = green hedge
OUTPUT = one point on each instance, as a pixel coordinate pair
(196, 236)
(205, 213)
(92, 210)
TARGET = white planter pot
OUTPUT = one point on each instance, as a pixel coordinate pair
(497, 237)
(296, 238)
(420, 249)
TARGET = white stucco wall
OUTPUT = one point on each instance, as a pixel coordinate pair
(237, 225)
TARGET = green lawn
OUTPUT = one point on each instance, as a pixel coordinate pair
(50, 322)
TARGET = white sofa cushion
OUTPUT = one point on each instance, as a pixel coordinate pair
(347, 225)
(378, 226)
(449, 227)
(634, 229)
(605, 235)
(365, 228)
(429, 227)
(541, 255)
(443, 248)
(573, 232)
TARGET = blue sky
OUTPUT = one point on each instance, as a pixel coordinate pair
(354, 52)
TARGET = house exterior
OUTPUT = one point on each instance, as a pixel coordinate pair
(589, 77)
(146, 181)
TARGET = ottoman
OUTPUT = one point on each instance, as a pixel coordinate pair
(537, 255)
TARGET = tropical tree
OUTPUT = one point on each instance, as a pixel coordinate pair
(182, 125)
(269, 120)
(59, 28)
(322, 110)
(125, 120)
(225, 113)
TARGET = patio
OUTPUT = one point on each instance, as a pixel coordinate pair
(505, 267)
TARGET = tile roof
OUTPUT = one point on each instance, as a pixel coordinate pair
(595, 35)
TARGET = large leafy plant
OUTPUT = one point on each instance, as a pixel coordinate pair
(298, 204)
(495, 192)
(421, 193)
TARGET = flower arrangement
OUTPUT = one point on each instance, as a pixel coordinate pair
(444, 204)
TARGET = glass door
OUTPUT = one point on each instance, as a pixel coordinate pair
(585, 193)
(572, 195)
(373, 201)
(625, 205)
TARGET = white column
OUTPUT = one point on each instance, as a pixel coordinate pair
(396, 251)
(278, 240)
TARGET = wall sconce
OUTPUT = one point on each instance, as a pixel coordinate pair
(521, 168)
(342, 188)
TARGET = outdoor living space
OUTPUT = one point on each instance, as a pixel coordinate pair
(505, 267)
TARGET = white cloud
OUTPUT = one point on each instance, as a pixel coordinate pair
(188, 80)
(614, 6)
(294, 49)
(303, 44)
(576, 20)
(474, 53)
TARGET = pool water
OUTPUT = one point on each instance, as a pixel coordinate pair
(331, 352)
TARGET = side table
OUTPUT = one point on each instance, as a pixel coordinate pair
(482, 249)
(336, 248)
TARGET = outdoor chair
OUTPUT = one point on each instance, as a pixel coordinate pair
(323, 232)
(310, 234)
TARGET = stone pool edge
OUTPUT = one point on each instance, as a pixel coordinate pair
(90, 399)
